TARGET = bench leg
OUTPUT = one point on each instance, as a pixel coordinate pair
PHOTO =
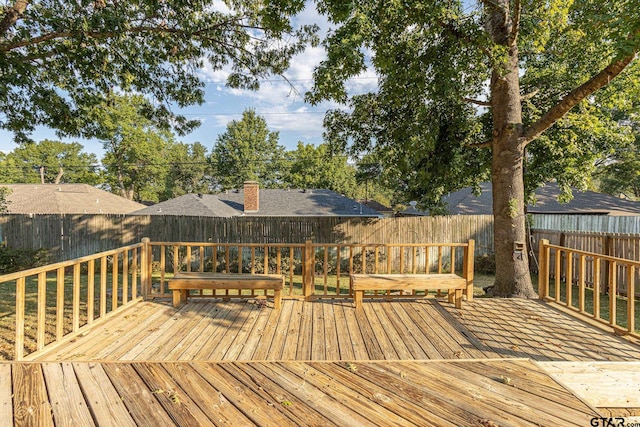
(458, 298)
(277, 299)
(357, 298)
(177, 297)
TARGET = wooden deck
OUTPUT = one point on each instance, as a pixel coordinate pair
(427, 393)
(333, 330)
(406, 362)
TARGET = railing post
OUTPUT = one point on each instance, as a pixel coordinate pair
(145, 267)
(543, 269)
(469, 255)
(307, 279)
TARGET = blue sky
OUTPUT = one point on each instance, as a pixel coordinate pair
(282, 106)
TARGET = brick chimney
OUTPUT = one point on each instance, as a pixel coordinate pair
(251, 196)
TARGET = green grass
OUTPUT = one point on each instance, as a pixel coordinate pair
(621, 303)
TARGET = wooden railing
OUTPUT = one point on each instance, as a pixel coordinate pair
(56, 302)
(588, 284)
(312, 270)
(59, 300)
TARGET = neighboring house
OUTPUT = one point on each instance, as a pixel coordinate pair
(66, 199)
(252, 201)
(385, 211)
(464, 202)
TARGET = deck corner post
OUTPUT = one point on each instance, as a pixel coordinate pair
(469, 255)
(307, 279)
(145, 267)
(543, 269)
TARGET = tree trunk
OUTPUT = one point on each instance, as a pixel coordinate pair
(512, 264)
(59, 176)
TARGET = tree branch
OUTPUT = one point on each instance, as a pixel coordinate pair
(477, 102)
(529, 95)
(575, 97)
(5, 47)
(513, 37)
(12, 15)
(484, 144)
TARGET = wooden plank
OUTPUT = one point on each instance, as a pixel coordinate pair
(209, 315)
(212, 402)
(342, 395)
(213, 330)
(512, 399)
(172, 397)
(462, 402)
(6, 396)
(66, 398)
(42, 310)
(163, 344)
(270, 391)
(359, 347)
(206, 280)
(369, 336)
(318, 350)
(315, 398)
(345, 343)
(293, 333)
(20, 312)
(303, 351)
(603, 384)
(411, 404)
(407, 281)
(114, 338)
(332, 347)
(386, 345)
(101, 397)
(227, 337)
(254, 337)
(239, 338)
(268, 332)
(252, 406)
(30, 402)
(136, 395)
(280, 337)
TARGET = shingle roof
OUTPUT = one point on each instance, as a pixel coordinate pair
(464, 202)
(272, 203)
(191, 205)
(66, 199)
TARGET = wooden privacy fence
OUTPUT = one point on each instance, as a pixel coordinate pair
(74, 236)
(587, 282)
(626, 246)
(58, 301)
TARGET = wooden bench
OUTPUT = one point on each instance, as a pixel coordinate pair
(400, 282)
(183, 282)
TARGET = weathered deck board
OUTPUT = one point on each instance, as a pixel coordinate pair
(416, 393)
(334, 330)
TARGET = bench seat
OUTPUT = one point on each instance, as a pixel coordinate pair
(400, 282)
(183, 282)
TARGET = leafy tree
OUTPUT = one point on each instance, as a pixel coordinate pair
(189, 170)
(4, 203)
(530, 64)
(622, 175)
(248, 151)
(60, 59)
(136, 151)
(49, 161)
(316, 167)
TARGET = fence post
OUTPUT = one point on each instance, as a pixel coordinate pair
(469, 256)
(145, 267)
(543, 269)
(307, 279)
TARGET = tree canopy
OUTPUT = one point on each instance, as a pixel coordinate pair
(49, 162)
(248, 151)
(464, 88)
(60, 59)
